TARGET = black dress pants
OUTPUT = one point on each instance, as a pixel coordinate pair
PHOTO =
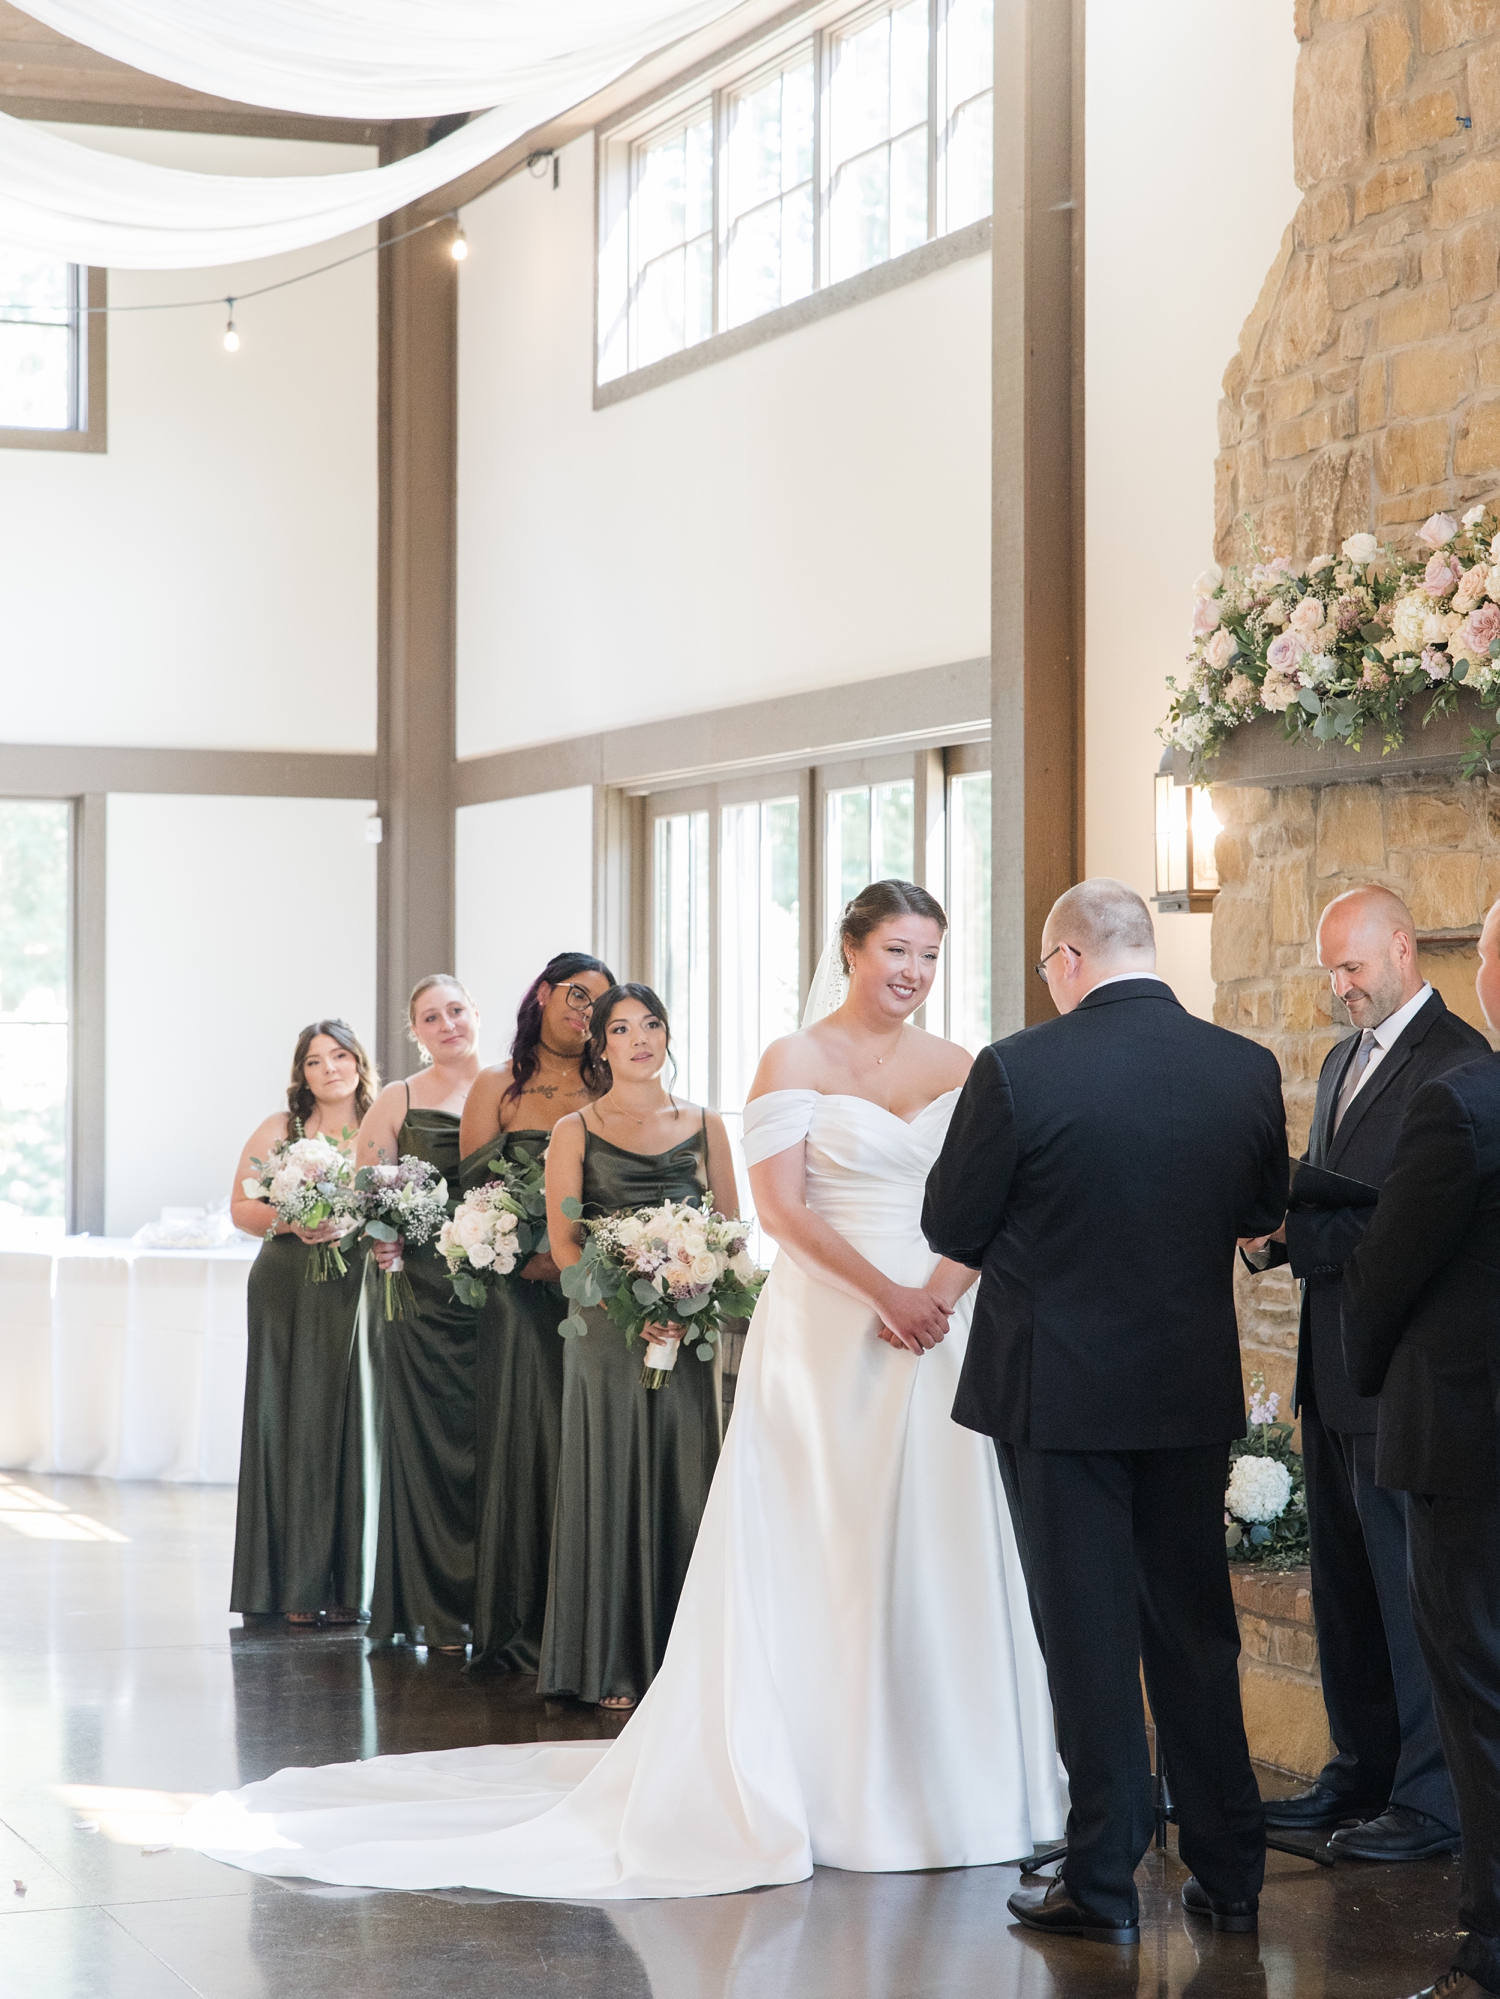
(1124, 1559)
(1455, 1600)
(1375, 1684)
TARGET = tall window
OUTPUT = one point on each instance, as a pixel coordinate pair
(34, 872)
(760, 904)
(968, 969)
(868, 837)
(40, 378)
(846, 138)
(680, 970)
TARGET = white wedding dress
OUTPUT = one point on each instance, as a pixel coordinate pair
(852, 1678)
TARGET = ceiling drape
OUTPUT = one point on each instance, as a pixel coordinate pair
(529, 59)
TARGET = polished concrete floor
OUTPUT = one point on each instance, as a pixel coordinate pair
(123, 1685)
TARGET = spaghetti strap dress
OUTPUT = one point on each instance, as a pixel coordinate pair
(424, 1367)
(299, 1528)
(635, 1468)
(518, 1379)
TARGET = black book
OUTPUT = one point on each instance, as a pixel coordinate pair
(1316, 1187)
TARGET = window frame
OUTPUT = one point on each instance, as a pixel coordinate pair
(88, 370)
(715, 81)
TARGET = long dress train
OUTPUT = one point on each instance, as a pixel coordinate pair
(853, 1678)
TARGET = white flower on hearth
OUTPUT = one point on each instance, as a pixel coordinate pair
(1278, 690)
(1258, 1489)
(1437, 625)
(1275, 612)
(1437, 530)
(1473, 517)
(1361, 548)
(1192, 732)
(1205, 617)
(1408, 617)
(1319, 562)
(1319, 668)
(1307, 616)
(1209, 581)
(742, 1263)
(1221, 648)
(1471, 587)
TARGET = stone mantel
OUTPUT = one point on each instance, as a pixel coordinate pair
(1260, 753)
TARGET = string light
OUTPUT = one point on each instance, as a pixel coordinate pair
(459, 247)
(231, 338)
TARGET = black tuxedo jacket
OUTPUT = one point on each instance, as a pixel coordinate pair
(1319, 1243)
(1422, 1293)
(1097, 1172)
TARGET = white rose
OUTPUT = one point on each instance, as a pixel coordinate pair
(1275, 612)
(743, 1265)
(1221, 648)
(1438, 624)
(470, 1227)
(1307, 615)
(1211, 578)
(629, 1233)
(481, 1255)
(704, 1268)
(1361, 548)
(1473, 517)
(1319, 562)
(251, 1190)
(1408, 617)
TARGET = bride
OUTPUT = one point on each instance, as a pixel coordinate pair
(852, 1678)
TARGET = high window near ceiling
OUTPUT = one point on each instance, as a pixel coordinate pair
(834, 145)
(35, 870)
(43, 375)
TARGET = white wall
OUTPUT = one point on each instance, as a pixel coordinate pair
(210, 580)
(524, 870)
(811, 512)
(232, 922)
(1189, 149)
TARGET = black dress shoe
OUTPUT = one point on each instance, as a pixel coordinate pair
(1306, 1811)
(1050, 1908)
(1400, 1833)
(1455, 1985)
(1236, 1917)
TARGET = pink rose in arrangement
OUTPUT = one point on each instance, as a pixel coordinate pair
(1220, 649)
(1240, 691)
(1205, 617)
(1440, 575)
(1436, 663)
(1284, 651)
(1307, 615)
(1471, 587)
(1479, 630)
(1437, 530)
(1278, 690)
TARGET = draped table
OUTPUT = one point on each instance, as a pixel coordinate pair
(122, 1362)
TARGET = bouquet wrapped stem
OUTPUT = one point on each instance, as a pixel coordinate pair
(677, 1264)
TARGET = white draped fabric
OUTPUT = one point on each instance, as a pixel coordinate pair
(852, 1677)
(370, 58)
(70, 200)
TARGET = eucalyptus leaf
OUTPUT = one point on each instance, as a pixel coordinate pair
(705, 1352)
(1308, 697)
(1460, 669)
(688, 1306)
(572, 1207)
(382, 1231)
(644, 1293)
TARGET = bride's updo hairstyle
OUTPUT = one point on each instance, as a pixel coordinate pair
(425, 986)
(558, 971)
(877, 904)
(594, 1064)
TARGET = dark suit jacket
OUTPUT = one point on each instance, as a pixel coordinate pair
(1422, 1293)
(1318, 1243)
(1097, 1172)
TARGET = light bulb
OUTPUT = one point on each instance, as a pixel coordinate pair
(459, 246)
(231, 339)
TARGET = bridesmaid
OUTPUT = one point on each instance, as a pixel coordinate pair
(636, 1463)
(299, 1531)
(424, 1555)
(519, 1365)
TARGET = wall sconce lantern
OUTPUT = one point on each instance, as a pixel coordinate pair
(1187, 878)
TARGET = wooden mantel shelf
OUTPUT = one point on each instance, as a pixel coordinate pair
(1259, 753)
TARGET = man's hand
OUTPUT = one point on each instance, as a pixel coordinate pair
(1252, 1243)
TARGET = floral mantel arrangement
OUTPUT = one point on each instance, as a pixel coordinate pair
(1347, 644)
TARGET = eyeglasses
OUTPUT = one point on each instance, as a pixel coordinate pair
(580, 999)
(1041, 969)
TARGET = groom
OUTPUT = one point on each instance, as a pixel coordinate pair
(1098, 1171)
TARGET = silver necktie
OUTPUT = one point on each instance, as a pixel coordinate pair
(1354, 1074)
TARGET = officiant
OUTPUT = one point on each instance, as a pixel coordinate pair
(1388, 1771)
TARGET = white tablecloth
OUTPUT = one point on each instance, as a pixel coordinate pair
(122, 1362)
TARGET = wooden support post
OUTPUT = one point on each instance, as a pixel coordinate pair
(418, 523)
(1037, 503)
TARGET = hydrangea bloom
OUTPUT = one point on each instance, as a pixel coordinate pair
(1258, 1489)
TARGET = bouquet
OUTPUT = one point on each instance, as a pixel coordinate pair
(405, 1201)
(1348, 643)
(1265, 1504)
(679, 1264)
(308, 1181)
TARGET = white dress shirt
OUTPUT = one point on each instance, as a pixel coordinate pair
(1387, 1033)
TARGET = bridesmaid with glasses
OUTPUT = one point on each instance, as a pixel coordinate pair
(518, 1373)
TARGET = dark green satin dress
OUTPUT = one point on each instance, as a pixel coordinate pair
(299, 1531)
(518, 1376)
(424, 1554)
(636, 1465)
